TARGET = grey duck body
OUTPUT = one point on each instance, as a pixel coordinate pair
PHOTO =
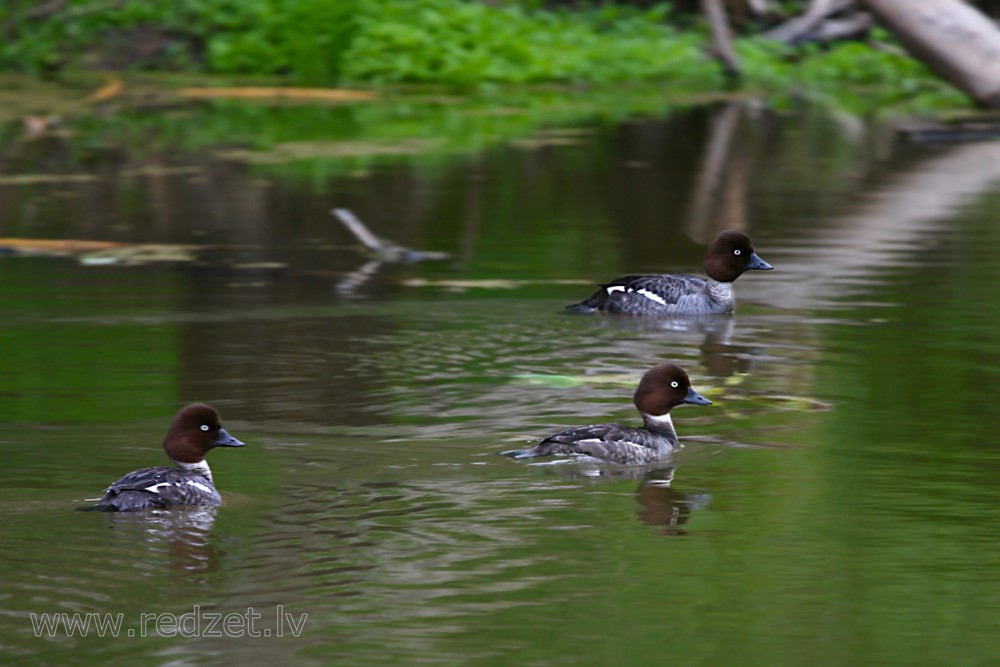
(195, 430)
(613, 443)
(663, 387)
(658, 295)
(730, 255)
(160, 487)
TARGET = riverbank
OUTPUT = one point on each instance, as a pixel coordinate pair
(461, 45)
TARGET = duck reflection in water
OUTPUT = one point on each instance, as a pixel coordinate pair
(662, 506)
(180, 538)
(720, 357)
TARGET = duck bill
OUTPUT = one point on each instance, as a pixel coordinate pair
(696, 398)
(226, 440)
(757, 264)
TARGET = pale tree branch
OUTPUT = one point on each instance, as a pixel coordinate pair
(722, 40)
(797, 28)
(951, 37)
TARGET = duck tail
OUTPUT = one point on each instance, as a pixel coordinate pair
(582, 307)
(596, 302)
(96, 508)
(520, 453)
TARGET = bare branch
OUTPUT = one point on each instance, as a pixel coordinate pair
(45, 10)
(722, 41)
(358, 228)
(800, 26)
(759, 7)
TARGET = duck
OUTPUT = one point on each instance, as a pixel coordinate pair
(729, 256)
(662, 388)
(195, 430)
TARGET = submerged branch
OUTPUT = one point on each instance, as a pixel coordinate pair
(382, 249)
(358, 228)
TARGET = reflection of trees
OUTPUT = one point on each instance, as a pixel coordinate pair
(847, 253)
(660, 505)
(728, 165)
(712, 334)
(720, 191)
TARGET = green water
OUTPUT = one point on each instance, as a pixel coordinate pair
(835, 506)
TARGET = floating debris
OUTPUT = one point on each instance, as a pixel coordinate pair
(486, 283)
(798, 403)
(258, 93)
(560, 381)
(542, 141)
(113, 87)
(261, 266)
(37, 126)
(100, 253)
(36, 179)
(139, 254)
(53, 247)
(293, 151)
(980, 127)
(163, 170)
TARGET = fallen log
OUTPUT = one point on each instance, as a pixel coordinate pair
(317, 94)
(54, 247)
(113, 87)
(952, 38)
(95, 253)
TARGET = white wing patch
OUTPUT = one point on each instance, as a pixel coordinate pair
(614, 288)
(652, 296)
(199, 485)
(155, 488)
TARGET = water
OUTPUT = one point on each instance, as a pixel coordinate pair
(836, 506)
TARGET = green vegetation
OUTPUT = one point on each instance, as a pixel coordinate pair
(311, 143)
(463, 43)
(454, 42)
(481, 50)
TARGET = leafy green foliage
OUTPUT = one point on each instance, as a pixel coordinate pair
(467, 42)
(451, 41)
(304, 38)
(852, 71)
(456, 42)
(312, 143)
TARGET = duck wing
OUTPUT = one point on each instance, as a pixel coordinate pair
(643, 294)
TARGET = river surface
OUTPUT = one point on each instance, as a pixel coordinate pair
(836, 505)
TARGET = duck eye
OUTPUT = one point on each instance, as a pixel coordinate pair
(675, 384)
(204, 427)
(736, 252)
